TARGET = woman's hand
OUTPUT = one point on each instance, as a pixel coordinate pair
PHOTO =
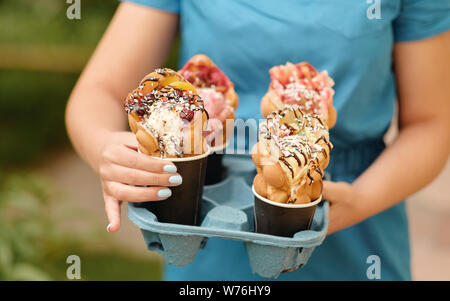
(345, 205)
(124, 172)
(422, 146)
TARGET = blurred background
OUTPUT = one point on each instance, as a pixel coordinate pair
(50, 201)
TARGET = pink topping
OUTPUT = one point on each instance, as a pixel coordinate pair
(215, 103)
(211, 83)
(301, 83)
(204, 76)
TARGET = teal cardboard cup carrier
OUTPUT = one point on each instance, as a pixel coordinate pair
(227, 211)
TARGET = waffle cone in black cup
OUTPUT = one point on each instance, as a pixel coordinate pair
(183, 206)
(282, 219)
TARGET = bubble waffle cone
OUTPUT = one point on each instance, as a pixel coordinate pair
(167, 116)
(217, 91)
(291, 155)
(302, 85)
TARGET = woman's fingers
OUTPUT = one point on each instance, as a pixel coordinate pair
(131, 176)
(121, 165)
(112, 208)
(334, 191)
(128, 193)
(345, 205)
(327, 191)
(114, 193)
(127, 157)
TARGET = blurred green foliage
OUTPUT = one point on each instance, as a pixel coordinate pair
(32, 114)
(38, 22)
(33, 247)
(35, 38)
(32, 102)
(23, 230)
(41, 56)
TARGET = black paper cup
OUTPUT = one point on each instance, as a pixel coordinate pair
(282, 219)
(215, 171)
(183, 206)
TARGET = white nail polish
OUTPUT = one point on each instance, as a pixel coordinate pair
(108, 227)
(177, 180)
(170, 168)
(164, 193)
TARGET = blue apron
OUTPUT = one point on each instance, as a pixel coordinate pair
(342, 256)
(353, 40)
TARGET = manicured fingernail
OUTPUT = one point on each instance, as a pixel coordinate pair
(108, 227)
(164, 193)
(177, 180)
(170, 168)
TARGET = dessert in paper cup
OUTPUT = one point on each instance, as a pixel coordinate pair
(168, 117)
(184, 205)
(300, 84)
(282, 219)
(220, 101)
(218, 94)
(290, 158)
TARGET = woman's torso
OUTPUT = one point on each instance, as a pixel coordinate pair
(246, 38)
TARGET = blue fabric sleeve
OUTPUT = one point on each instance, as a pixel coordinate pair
(420, 19)
(172, 6)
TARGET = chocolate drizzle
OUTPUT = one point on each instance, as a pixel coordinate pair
(320, 121)
(206, 112)
(150, 79)
(325, 140)
(295, 113)
(290, 128)
(304, 156)
(309, 176)
(319, 171)
(297, 159)
(282, 159)
(298, 135)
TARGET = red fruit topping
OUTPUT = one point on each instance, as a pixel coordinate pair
(219, 79)
(187, 114)
(204, 76)
(306, 70)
